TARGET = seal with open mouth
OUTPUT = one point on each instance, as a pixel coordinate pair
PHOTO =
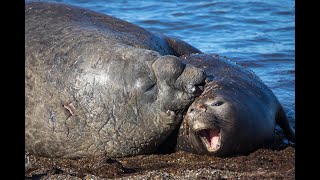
(235, 113)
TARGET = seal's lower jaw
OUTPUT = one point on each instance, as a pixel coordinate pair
(211, 138)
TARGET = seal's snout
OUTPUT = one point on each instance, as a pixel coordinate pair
(191, 80)
(191, 89)
(196, 89)
(169, 70)
(204, 128)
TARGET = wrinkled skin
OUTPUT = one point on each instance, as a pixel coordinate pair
(95, 84)
(235, 114)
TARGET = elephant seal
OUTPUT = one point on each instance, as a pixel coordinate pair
(95, 84)
(235, 114)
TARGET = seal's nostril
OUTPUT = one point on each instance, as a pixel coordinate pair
(191, 88)
(191, 110)
(202, 107)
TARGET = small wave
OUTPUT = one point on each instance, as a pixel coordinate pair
(283, 13)
(167, 24)
(179, 14)
(285, 72)
(277, 55)
(219, 11)
(261, 39)
(254, 21)
(210, 4)
(251, 64)
(282, 85)
(285, 29)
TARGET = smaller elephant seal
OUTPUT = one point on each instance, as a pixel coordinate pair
(236, 113)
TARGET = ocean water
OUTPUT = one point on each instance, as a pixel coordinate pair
(257, 34)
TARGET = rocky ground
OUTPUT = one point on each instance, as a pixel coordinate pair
(276, 161)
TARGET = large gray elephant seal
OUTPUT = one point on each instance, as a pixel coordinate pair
(236, 112)
(95, 84)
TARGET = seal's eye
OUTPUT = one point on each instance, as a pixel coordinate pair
(218, 103)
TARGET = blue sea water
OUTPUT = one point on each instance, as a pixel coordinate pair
(257, 34)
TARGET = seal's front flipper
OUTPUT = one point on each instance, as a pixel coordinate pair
(283, 122)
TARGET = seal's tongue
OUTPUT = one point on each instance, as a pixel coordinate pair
(212, 136)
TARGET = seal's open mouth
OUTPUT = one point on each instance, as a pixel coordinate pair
(211, 139)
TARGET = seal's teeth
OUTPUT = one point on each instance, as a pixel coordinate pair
(211, 139)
